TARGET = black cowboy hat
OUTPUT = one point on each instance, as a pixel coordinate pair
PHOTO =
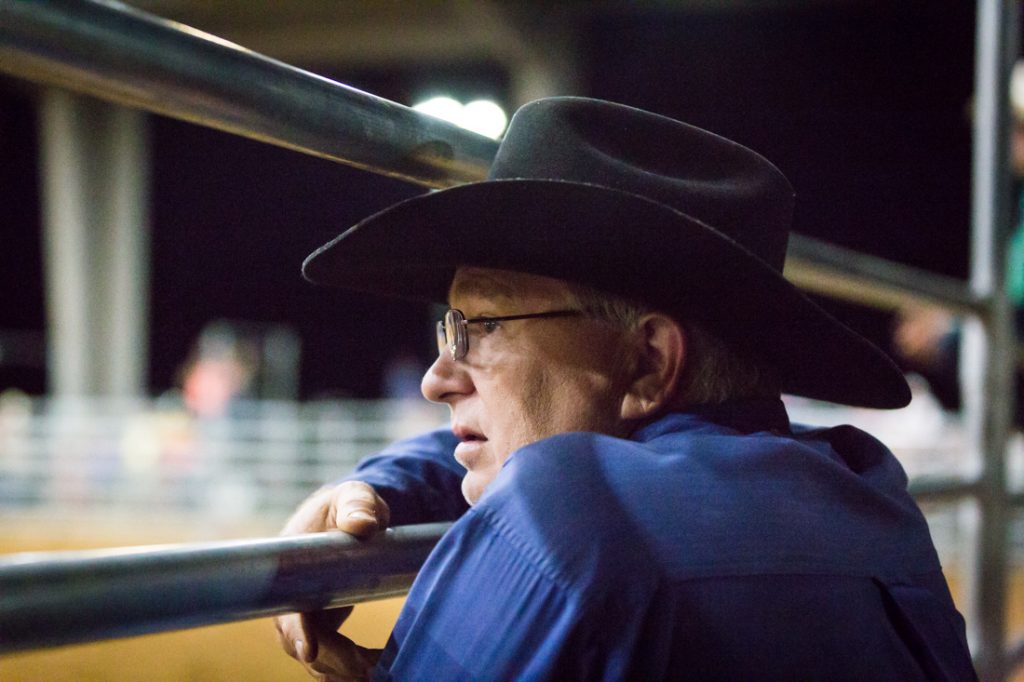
(634, 204)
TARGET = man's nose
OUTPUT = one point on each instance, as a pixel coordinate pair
(445, 380)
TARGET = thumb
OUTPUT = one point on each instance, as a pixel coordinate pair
(359, 510)
(339, 658)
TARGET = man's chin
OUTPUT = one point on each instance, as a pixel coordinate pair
(473, 487)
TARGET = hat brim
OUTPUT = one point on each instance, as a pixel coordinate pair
(620, 243)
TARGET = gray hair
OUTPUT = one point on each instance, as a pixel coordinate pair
(714, 372)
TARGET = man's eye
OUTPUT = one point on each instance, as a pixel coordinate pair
(489, 326)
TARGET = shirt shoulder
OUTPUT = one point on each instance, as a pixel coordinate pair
(702, 499)
(558, 502)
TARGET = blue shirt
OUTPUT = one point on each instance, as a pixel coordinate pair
(721, 544)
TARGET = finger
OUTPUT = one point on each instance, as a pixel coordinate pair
(311, 515)
(359, 510)
(296, 637)
(328, 620)
(342, 659)
(298, 632)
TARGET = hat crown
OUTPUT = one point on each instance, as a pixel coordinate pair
(633, 204)
(721, 183)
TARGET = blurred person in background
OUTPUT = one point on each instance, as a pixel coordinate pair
(926, 339)
(630, 499)
(220, 370)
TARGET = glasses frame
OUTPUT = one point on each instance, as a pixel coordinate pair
(453, 336)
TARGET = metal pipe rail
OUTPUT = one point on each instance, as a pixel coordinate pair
(942, 489)
(126, 56)
(53, 598)
(841, 273)
(129, 57)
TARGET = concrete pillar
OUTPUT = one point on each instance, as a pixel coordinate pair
(94, 162)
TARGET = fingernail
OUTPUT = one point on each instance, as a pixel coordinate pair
(300, 649)
(360, 515)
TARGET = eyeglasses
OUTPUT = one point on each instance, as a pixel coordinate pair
(453, 336)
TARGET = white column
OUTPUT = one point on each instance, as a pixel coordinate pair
(126, 253)
(94, 161)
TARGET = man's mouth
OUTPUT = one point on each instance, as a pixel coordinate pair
(467, 435)
(470, 448)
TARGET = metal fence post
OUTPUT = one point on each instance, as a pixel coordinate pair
(988, 358)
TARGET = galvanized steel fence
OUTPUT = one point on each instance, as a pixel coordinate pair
(125, 56)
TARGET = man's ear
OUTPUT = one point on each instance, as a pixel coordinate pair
(661, 346)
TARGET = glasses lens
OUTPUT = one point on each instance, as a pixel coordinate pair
(455, 334)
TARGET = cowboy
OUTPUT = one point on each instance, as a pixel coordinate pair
(640, 506)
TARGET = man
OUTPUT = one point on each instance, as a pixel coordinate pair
(641, 507)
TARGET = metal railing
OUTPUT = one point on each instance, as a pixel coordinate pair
(133, 591)
(129, 57)
(65, 458)
(126, 56)
(62, 457)
(108, 460)
(856, 277)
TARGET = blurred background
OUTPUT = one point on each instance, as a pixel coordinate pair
(167, 375)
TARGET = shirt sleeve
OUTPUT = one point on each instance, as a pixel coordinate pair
(486, 607)
(418, 478)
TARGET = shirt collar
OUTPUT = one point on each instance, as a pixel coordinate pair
(745, 416)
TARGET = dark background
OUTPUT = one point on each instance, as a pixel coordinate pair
(864, 107)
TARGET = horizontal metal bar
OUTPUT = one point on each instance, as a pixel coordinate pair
(126, 56)
(53, 598)
(840, 273)
(123, 55)
(934, 488)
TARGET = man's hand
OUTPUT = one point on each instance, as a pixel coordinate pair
(326, 654)
(312, 638)
(352, 506)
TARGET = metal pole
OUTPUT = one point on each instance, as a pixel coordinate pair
(943, 488)
(827, 269)
(129, 57)
(988, 357)
(54, 598)
(126, 56)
